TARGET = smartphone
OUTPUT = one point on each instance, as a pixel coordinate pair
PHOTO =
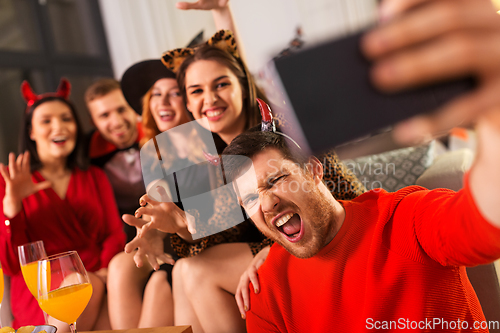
(326, 95)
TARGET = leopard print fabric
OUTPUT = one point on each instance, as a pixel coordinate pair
(231, 235)
(222, 39)
(340, 180)
(173, 59)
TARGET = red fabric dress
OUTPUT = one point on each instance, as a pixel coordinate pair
(396, 263)
(86, 220)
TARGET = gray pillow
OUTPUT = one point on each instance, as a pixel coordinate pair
(394, 169)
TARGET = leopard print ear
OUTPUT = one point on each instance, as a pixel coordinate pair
(224, 40)
(173, 59)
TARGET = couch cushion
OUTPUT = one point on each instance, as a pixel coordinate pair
(447, 171)
(394, 169)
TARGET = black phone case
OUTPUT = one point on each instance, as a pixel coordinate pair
(331, 100)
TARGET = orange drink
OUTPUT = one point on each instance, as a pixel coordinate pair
(1, 285)
(64, 288)
(30, 272)
(66, 303)
(29, 254)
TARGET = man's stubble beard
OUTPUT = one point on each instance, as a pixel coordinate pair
(322, 223)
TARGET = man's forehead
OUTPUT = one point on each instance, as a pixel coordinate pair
(270, 160)
(264, 166)
(247, 180)
(109, 102)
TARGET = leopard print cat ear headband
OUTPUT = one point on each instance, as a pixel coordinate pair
(223, 39)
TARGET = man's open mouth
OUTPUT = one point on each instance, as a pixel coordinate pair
(291, 226)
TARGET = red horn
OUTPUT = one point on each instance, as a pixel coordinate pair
(28, 94)
(267, 117)
(64, 88)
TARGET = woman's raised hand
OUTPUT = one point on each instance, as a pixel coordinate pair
(18, 183)
(203, 4)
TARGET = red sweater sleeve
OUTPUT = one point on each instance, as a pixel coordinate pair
(12, 233)
(448, 227)
(114, 241)
(259, 317)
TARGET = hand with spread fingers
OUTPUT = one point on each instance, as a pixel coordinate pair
(223, 18)
(18, 183)
(149, 245)
(164, 216)
(423, 41)
(250, 275)
(153, 220)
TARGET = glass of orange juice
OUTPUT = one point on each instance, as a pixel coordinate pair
(64, 288)
(29, 254)
(1, 291)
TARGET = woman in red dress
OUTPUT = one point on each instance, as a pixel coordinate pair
(48, 193)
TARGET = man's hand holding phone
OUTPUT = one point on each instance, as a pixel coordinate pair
(423, 41)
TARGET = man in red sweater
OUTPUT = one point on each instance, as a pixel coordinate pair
(382, 260)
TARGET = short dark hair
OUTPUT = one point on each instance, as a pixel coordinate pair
(101, 88)
(77, 158)
(251, 143)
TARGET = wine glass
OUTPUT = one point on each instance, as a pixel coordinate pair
(29, 254)
(1, 292)
(64, 288)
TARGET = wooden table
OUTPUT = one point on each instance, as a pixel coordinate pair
(169, 329)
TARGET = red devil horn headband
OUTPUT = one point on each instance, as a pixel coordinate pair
(267, 117)
(31, 98)
(64, 89)
(268, 121)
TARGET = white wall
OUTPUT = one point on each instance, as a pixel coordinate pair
(267, 32)
(143, 29)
